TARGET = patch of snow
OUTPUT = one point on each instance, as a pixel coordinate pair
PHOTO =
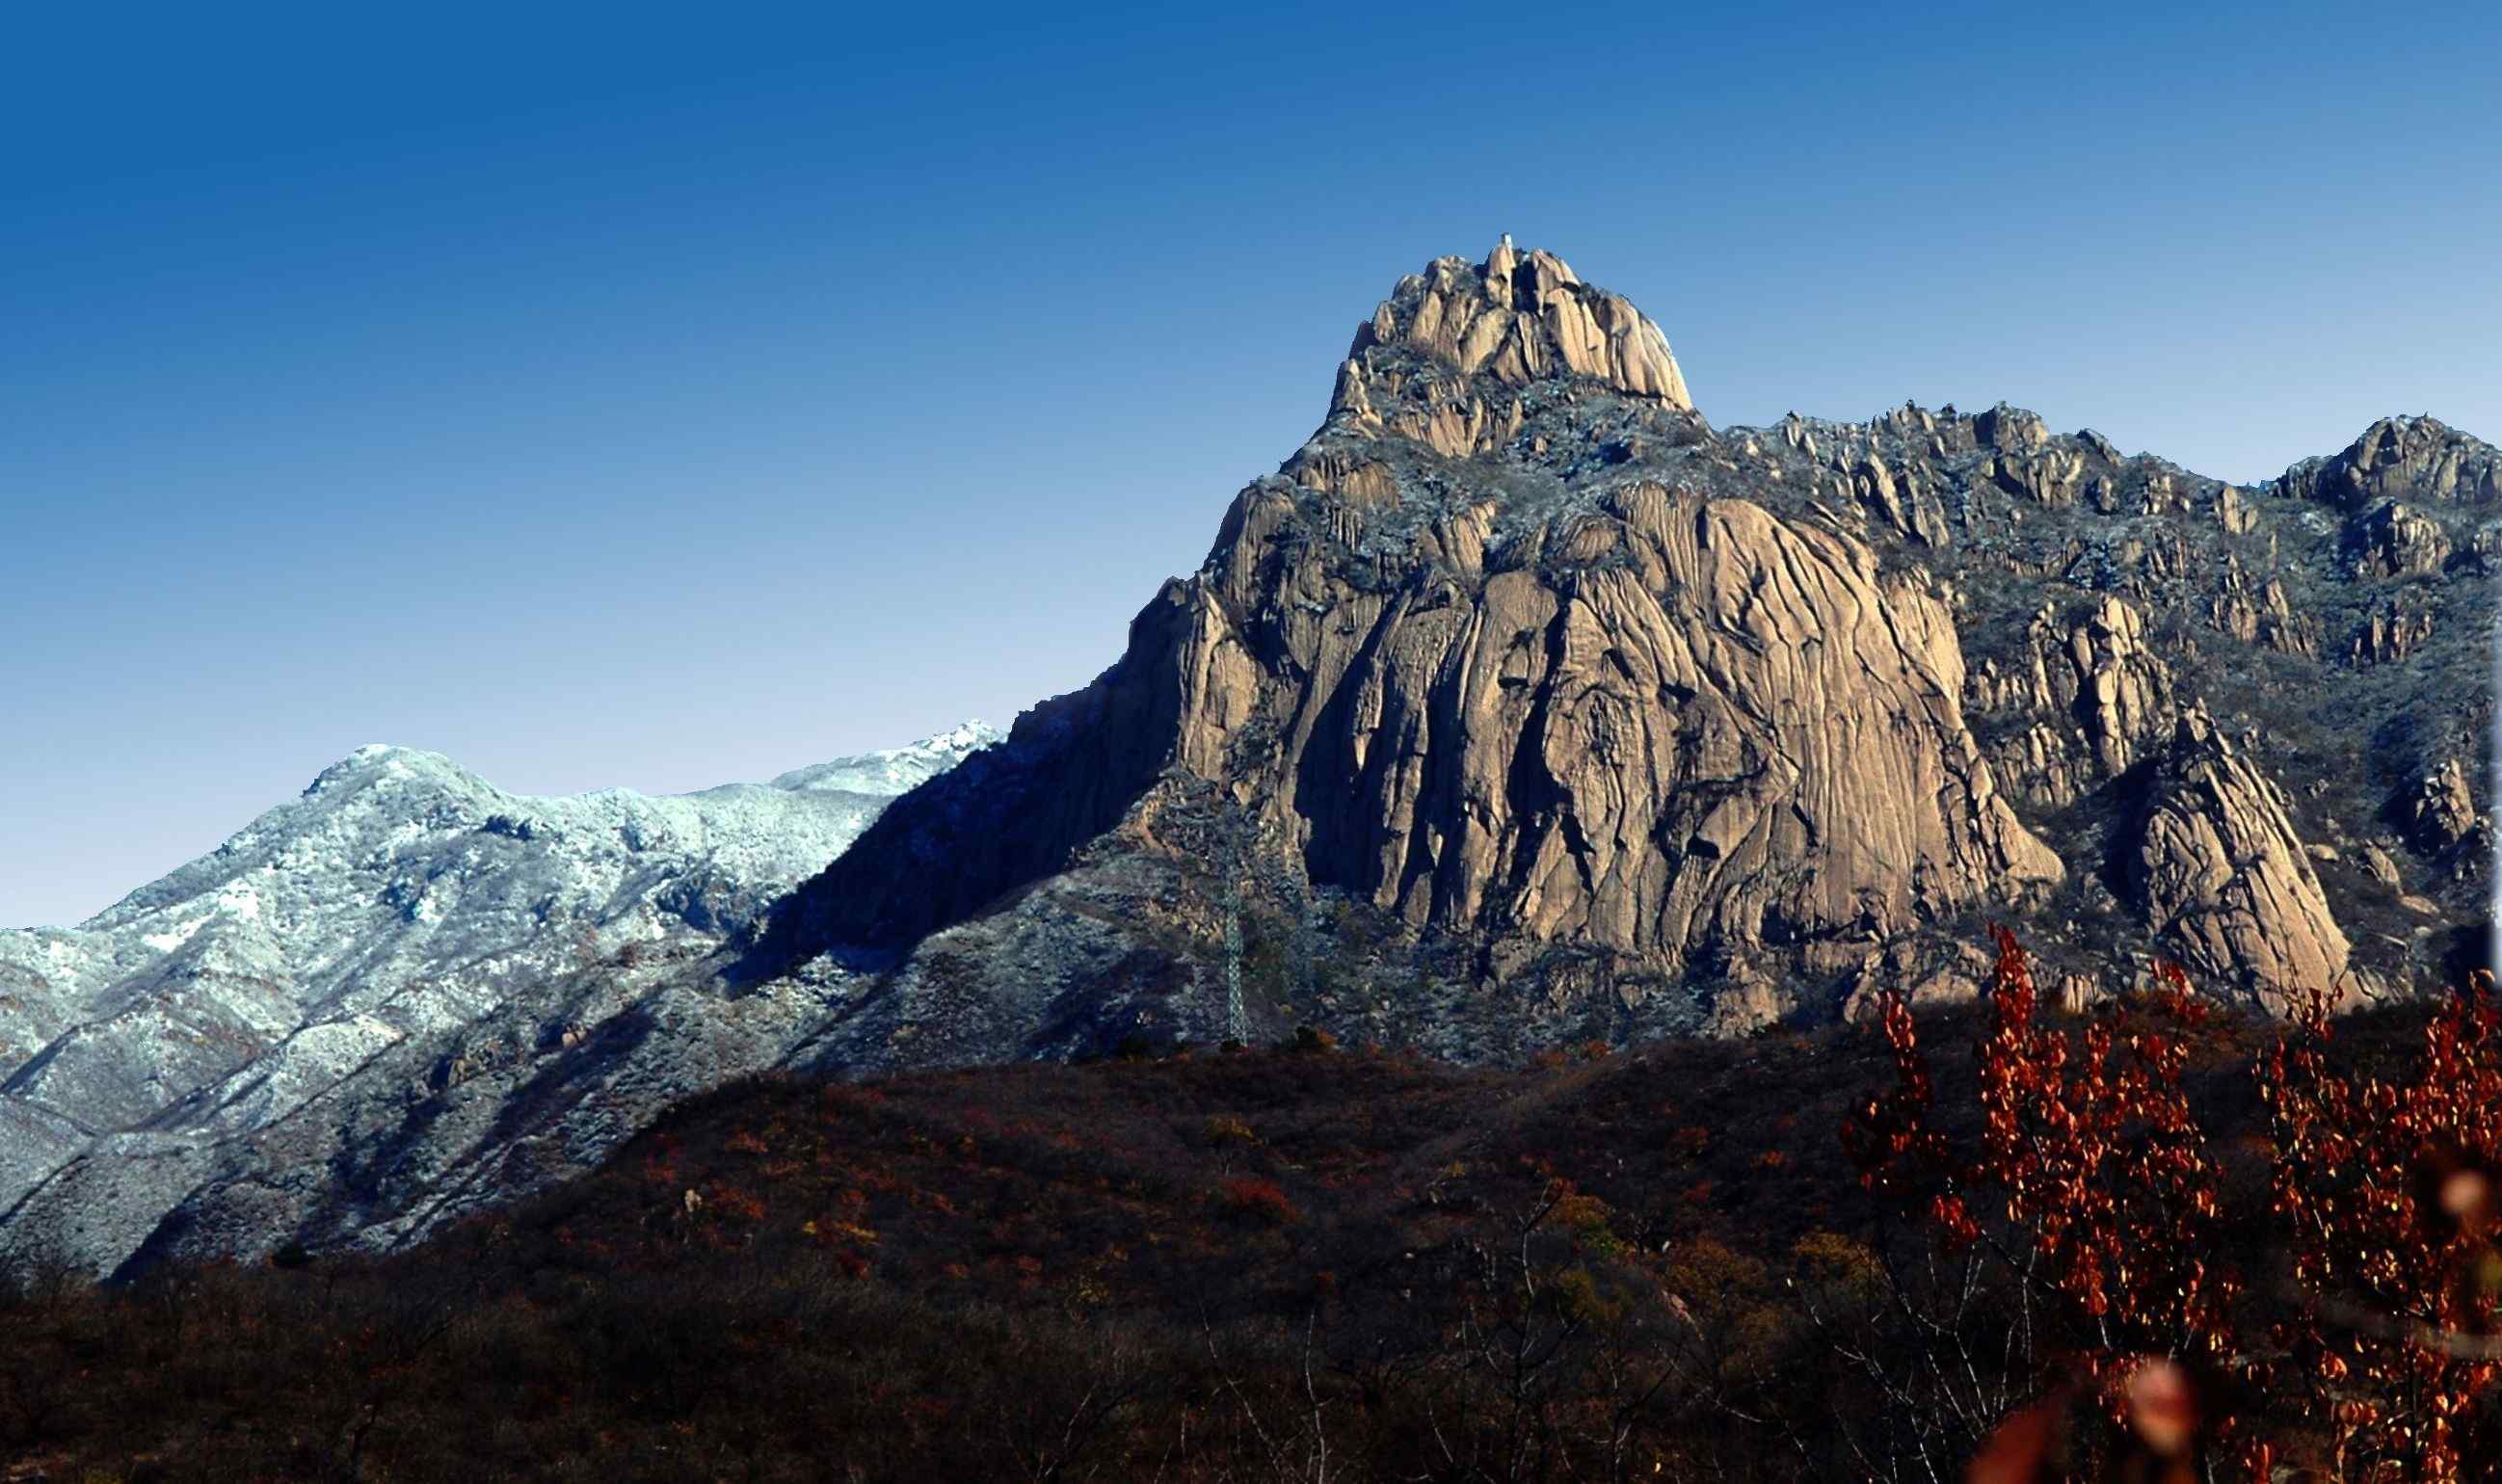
(175, 937)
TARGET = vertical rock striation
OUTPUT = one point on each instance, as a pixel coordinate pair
(2224, 881)
(1467, 663)
(1519, 664)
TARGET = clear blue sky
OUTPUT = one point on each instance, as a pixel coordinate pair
(664, 397)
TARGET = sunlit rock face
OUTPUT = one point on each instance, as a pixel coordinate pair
(1647, 723)
(1575, 700)
(2224, 880)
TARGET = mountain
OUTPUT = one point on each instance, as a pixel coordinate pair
(400, 927)
(1522, 706)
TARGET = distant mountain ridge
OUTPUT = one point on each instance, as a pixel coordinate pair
(399, 902)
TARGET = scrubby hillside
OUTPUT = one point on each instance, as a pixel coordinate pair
(1292, 1262)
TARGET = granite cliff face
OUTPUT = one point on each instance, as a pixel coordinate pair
(1519, 684)
(2224, 882)
(1634, 720)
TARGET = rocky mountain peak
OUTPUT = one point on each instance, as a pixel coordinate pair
(1537, 691)
(383, 760)
(1463, 335)
(2420, 456)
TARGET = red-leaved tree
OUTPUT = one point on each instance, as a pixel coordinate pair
(2383, 1190)
(2088, 1214)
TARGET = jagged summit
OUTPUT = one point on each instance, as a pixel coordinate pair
(1560, 698)
(2420, 456)
(1452, 347)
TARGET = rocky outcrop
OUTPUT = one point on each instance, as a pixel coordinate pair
(2094, 694)
(1692, 721)
(1908, 505)
(2261, 613)
(2116, 689)
(2047, 476)
(1443, 359)
(2410, 457)
(2392, 631)
(2437, 813)
(2235, 513)
(2213, 861)
(2395, 540)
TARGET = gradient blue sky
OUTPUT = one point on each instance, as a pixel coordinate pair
(661, 397)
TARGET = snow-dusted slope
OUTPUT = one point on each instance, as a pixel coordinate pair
(401, 902)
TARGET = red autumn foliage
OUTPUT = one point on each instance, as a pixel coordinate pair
(2387, 1192)
(2092, 1202)
(1257, 1199)
(735, 1204)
